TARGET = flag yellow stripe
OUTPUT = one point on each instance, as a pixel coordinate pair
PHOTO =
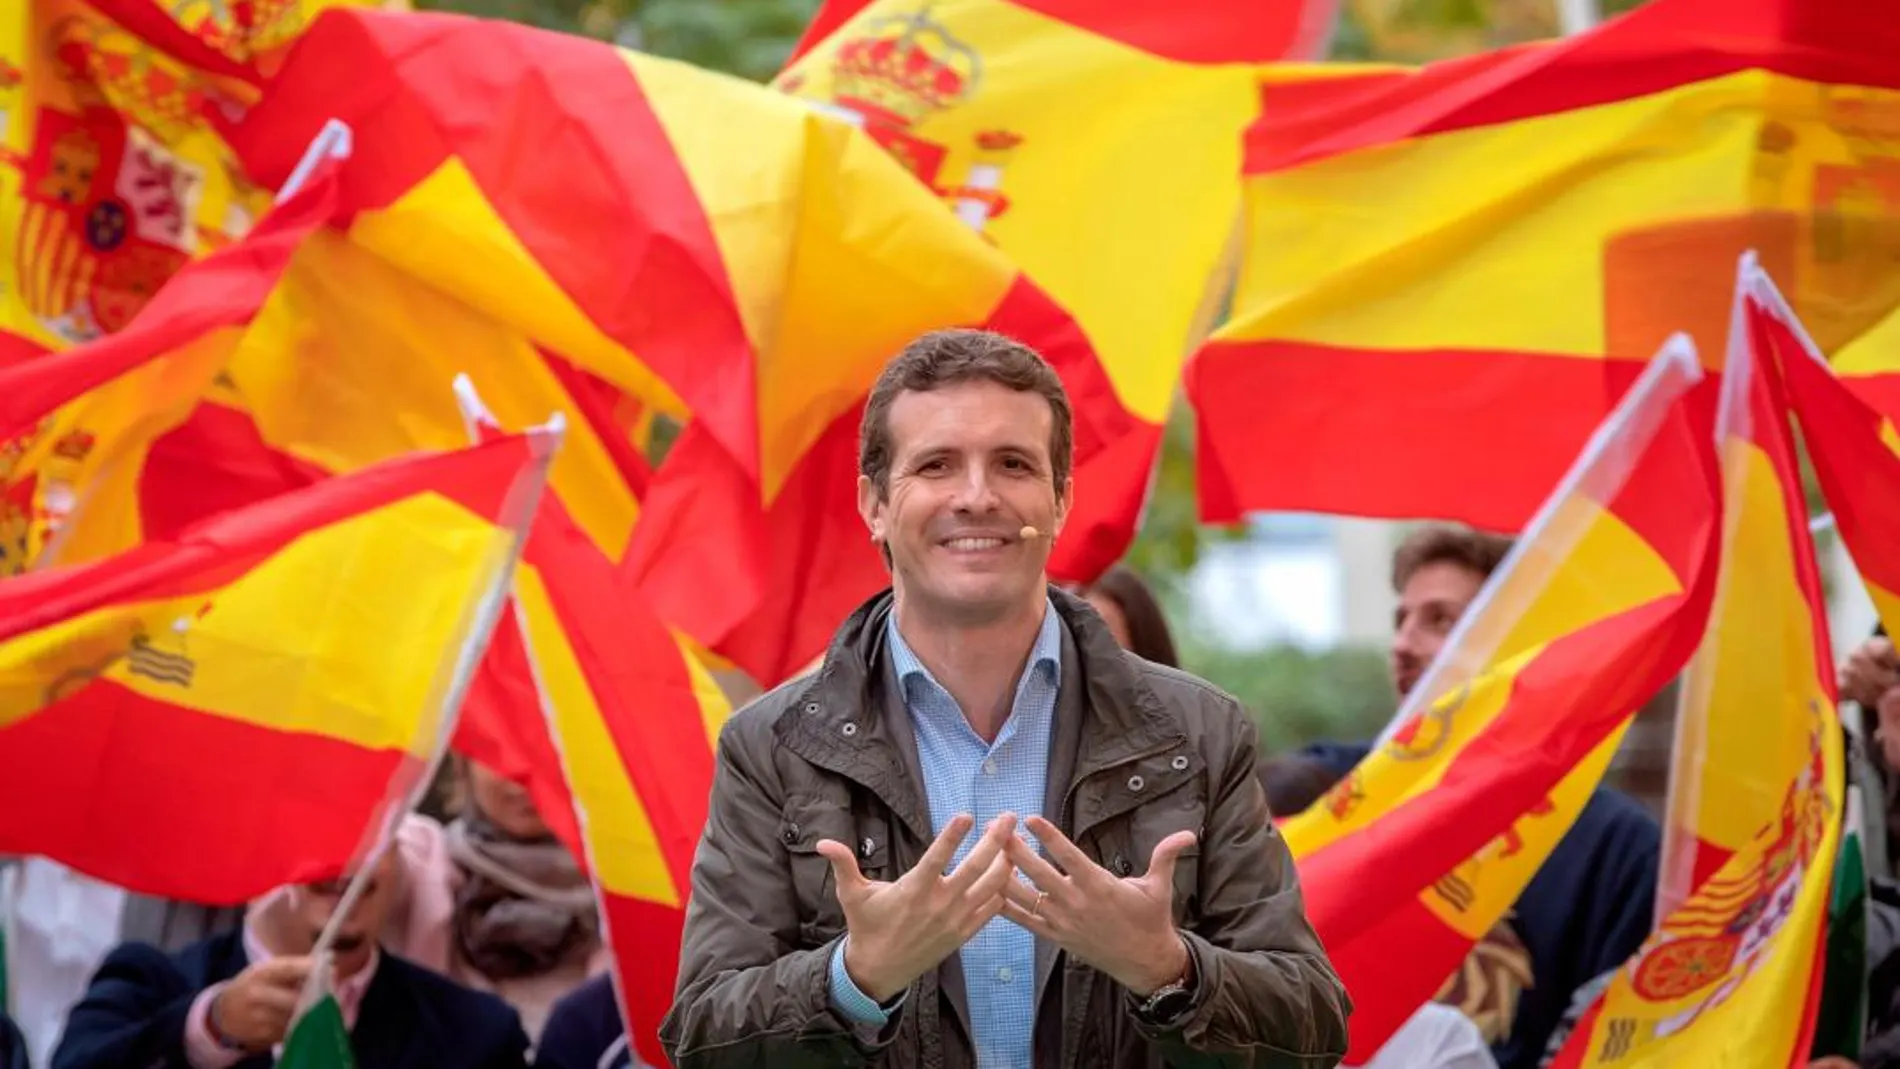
(1459, 240)
(1589, 566)
(621, 846)
(338, 372)
(444, 230)
(1483, 889)
(796, 228)
(1152, 196)
(340, 634)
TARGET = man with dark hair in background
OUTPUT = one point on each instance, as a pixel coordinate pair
(1592, 903)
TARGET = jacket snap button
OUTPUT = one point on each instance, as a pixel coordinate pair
(1122, 867)
(811, 707)
(849, 730)
(791, 835)
(1178, 763)
(865, 847)
(1136, 783)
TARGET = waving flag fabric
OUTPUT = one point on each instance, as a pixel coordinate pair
(1732, 973)
(114, 171)
(717, 251)
(1501, 744)
(1099, 147)
(76, 426)
(278, 666)
(633, 718)
(1452, 274)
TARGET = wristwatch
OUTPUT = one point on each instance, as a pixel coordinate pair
(1171, 999)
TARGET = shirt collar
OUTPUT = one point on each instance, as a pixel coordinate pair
(349, 992)
(1045, 656)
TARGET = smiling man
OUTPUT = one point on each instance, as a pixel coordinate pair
(982, 835)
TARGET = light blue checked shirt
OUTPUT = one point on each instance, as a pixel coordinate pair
(964, 774)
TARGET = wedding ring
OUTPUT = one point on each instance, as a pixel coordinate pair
(1036, 910)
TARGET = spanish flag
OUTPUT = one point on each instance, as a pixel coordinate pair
(77, 426)
(721, 253)
(1501, 744)
(633, 717)
(1098, 144)
(114, 171)
(1452, 274)
(238, 708)
(1854, 449)
(1732, 973)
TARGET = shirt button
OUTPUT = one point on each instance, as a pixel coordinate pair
(1004, 975)
(989, 766)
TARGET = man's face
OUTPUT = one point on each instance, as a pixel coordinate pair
(313, 904)
(969, 468)
(1429, 606)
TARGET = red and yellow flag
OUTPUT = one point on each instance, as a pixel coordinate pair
(1500, 746)
(114, 171)
(1855, 449)
(721, 253)
(1452, 274)
(1097, 145)
(269, 682)
(1732, 973)
(627, 718)
(76, 426)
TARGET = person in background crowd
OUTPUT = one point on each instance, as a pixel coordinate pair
(1870, 679)
(13, 1052)
(585, 1031)
(227, 1001)
(1438, 1036)
(61, 924)
(842, 911)
(1592, 903)
(494, 901)
(1133, 615)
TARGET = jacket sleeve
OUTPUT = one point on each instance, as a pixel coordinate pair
(1266, 997)
(133, 1013)
(748, 993)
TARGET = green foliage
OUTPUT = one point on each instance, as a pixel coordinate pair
(1297, 696)
(749, 38)
(1171, 533)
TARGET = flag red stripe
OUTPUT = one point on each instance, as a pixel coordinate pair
(646, 963)
(600, 200)
(1388, 988)
(1843, 436)
(639, 680)
(224, 289)
(1770, 431)
(150, 22)
(270, 807)
(1660, 46)
(1289, 426)
(1563, 703)
(224, 547)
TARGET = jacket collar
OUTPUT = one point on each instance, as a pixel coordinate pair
(841, 719)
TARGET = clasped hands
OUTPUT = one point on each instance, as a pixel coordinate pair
(901, 929)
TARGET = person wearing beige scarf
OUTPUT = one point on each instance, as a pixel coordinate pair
(494, 902)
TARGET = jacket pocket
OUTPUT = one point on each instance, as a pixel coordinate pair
(805, 823)
(1182, 809)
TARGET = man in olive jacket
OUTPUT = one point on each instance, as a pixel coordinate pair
(1124, 901)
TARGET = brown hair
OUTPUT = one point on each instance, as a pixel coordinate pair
(1148, 634)
(1447, 543)
(945, 358)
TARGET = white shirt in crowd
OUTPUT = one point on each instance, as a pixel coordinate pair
(1436, 1037)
